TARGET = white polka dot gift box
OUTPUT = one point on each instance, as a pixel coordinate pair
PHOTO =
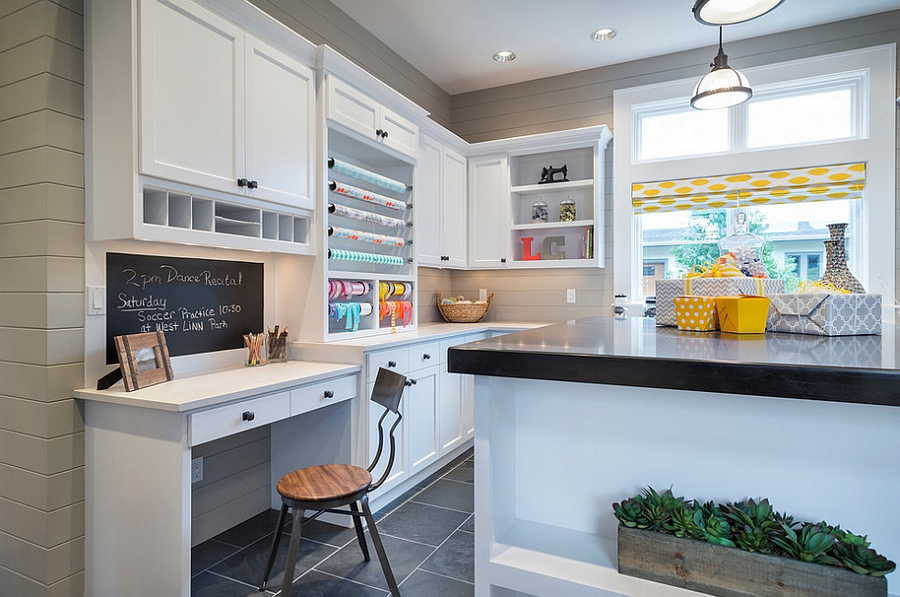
(696, 313)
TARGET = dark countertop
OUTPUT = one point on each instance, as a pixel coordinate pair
(636, 352)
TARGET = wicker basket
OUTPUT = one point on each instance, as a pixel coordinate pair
(466, 312)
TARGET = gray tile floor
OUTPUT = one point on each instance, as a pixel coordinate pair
(428, 535)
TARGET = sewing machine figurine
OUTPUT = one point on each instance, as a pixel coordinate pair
(549, 174)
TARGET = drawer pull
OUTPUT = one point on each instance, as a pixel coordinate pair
(410, 382)
(329, 393)
(248, 415)
(426, 356)
(392, 363)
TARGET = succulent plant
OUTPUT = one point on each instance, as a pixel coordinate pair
(753, 524)
(660, 507)
(715, 526)
(687, 522)
(630, 512)
(812, 544)
(862, 560)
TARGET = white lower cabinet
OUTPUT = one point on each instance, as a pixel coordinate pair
(422, 418)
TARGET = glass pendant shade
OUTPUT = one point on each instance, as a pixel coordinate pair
(729, 12)
(723, 87)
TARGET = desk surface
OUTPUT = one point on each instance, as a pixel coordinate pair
(636, 352)
(219, 386)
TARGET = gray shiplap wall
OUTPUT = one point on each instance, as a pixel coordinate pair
(41, 298)
(585, 98)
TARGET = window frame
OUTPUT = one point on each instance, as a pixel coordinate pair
(873, 241)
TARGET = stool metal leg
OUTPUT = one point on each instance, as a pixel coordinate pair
(296, 529)
(357, 523)
(379, 548)
(275, 541)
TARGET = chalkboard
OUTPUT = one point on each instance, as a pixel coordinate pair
(202, 305)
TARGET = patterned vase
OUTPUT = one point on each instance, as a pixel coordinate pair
(836, 270)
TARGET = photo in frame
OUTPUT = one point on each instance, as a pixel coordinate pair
(143, 359)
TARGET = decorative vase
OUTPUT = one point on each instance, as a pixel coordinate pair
(836, 270)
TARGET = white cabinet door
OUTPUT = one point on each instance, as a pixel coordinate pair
(451, 406)
(428, 203)
(453, 208)
(192, 95)
(398, 470)
(422, 418)
(280, 129)
(488, 212)
(352, 108)
(399, 133)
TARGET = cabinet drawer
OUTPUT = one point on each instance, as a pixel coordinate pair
(424, 355)
(228, 420)
(325, 393)
(396, 359)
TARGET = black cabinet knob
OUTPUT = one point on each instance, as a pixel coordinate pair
(252, 184)
(248, 415)
(384, 134)
(426, 356)
(503, 260)
(392, 363)
(243, 182)
(329, 394)
(379, 133)
(410, 382)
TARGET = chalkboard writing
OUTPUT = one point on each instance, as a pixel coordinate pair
(202, 305)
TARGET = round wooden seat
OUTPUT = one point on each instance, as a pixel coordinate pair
(324, 483)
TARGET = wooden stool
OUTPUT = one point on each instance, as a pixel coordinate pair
(325, 487)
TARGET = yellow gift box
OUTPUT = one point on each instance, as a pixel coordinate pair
(696, 313)
(743, 314)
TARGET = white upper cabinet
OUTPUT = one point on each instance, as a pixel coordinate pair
(362, 114)
(222, 110)
(440, 205)
(489, 222)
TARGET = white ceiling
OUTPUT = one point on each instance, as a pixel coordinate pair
(452, 41)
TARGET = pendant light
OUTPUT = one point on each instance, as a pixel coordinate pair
(723, 87)
(729, 12)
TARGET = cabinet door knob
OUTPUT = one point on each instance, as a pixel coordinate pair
(252, 184)
(426, 356)
(329, 394)
(503, 260)
(379, 133)
(392, 363)
(248, 415)
(384, 134)
(410, 382)
(243, 182)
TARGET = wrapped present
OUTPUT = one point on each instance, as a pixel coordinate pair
(667, 290)
(696, 313)
(742, 314)
(826, 314)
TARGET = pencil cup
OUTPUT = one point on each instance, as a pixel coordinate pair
(256, 350)
(277, 346)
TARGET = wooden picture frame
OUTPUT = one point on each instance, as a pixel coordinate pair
(143, 359)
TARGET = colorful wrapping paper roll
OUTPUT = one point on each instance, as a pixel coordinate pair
(361, 257)
(347, 289)
(369, 237)
(364, 195)
(366, 216)
(367, 176)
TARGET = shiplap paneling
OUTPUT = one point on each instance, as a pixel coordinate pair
(431, 281)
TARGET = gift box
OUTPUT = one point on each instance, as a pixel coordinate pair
(742, 314)
(826, 314)
(696, 313)
(667, 290)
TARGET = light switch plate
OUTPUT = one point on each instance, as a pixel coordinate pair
(96, 300)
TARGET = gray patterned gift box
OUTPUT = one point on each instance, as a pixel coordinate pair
(667, 290)
(825, 314)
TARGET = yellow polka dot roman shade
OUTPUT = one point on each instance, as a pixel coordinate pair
(822, 183)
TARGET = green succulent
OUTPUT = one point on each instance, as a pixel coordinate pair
(714, 525)
(687, 522)
(753, 524)
(812, 544)
(660, 507)
(862, 560)
(849, 538)
(630, 512)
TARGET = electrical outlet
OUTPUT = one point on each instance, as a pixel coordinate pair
(482, 294)
(570, 295)
(197, 470)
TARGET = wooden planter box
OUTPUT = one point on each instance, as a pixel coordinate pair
(732, 572)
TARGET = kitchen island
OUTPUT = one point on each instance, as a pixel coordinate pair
(572, 417)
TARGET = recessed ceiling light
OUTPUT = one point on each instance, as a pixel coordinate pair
(504, 56)
(604, 34)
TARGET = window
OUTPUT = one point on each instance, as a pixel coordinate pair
(657, 139)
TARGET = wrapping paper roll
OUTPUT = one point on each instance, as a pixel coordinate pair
(369, 237)
(364, 195)
(367, 176)
(398, 290)
(361, 257)
(366, 216)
